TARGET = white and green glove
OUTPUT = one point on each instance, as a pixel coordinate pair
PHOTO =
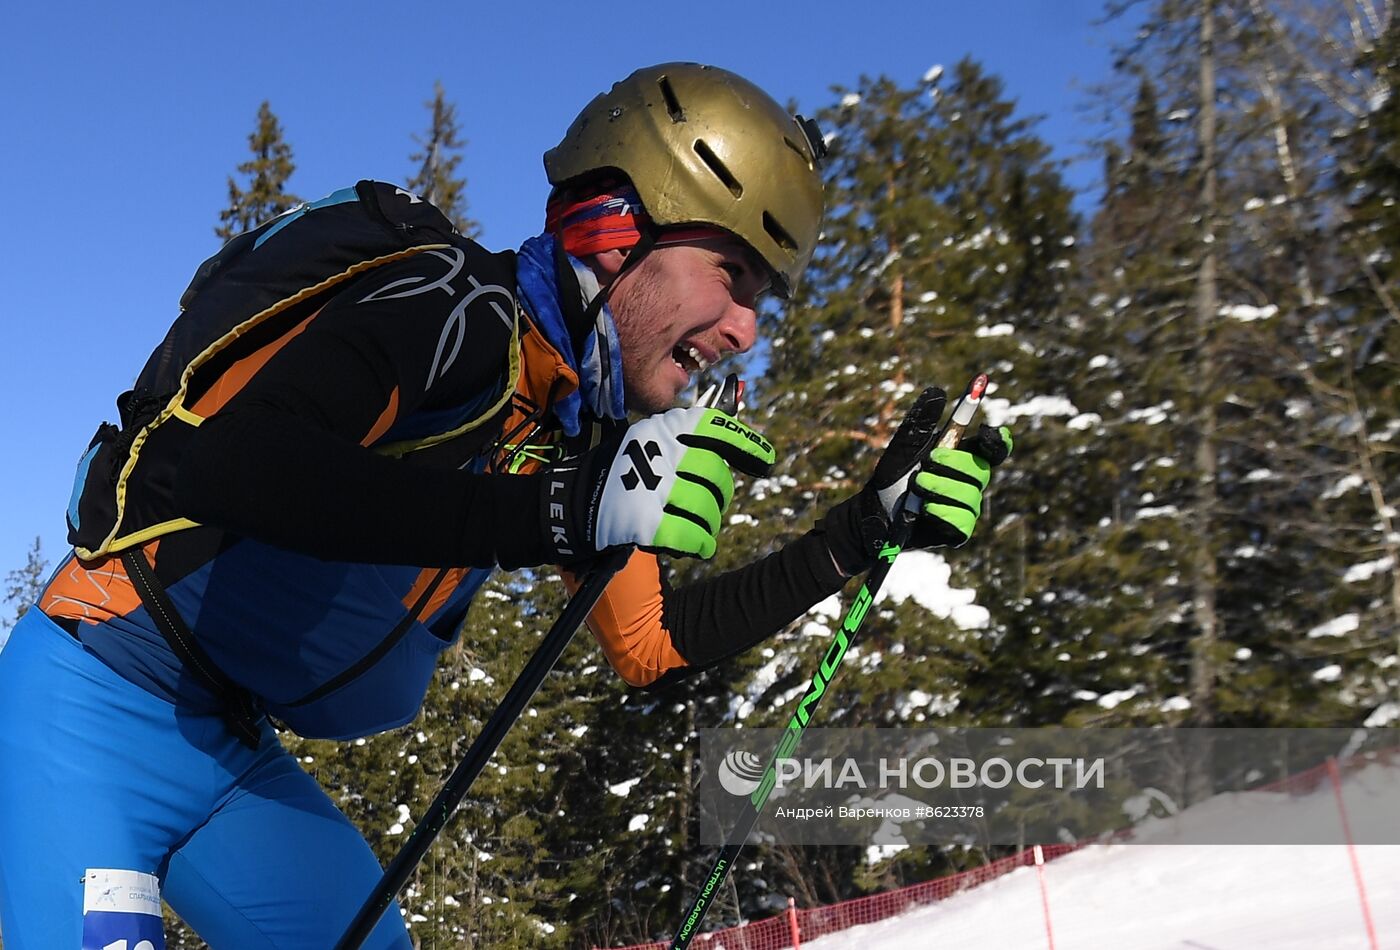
(947, 483)
(662, 484)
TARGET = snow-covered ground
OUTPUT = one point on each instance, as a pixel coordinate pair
(1180, 896)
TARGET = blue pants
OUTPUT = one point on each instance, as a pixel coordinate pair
(98, 773)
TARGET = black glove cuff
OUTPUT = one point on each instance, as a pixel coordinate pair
(514, 524)
(568, 501)
(854, 530)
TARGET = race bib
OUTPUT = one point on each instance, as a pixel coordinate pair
(121, 911)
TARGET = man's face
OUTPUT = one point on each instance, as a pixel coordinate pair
(683, 308)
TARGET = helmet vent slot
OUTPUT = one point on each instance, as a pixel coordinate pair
(776, 232)
(721, 171)
(673, 105)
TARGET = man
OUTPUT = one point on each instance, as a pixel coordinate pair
(346, 485)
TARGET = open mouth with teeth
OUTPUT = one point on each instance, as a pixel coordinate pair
(689, 359)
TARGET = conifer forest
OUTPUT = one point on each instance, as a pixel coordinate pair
(1200, 524)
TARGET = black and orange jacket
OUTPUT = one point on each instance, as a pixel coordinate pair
(326, 578)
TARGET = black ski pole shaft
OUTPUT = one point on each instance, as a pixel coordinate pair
(841, 643)
(435, 818)
(725, 397)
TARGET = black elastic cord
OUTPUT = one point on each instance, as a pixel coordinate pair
(240, 710)
(578, 318)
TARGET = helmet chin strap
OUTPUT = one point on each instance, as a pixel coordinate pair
(579, 318)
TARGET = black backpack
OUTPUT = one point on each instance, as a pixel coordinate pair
(254, 290)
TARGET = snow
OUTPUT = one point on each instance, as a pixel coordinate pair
(1344, 484)
(1000, 329)
(1328, 674)
(1152, 415)
(882, 852)
(638, 822)
(935, 73)
(926, 577)
(1001, 412)
(1084, 421)
(1176, 896)
(1248, 314)
(621, 789)
(1384, 715)
(1338, 627)
(830, 608)
(850, 100)
(1110, 700)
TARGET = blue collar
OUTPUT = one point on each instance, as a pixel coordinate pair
(600, 367)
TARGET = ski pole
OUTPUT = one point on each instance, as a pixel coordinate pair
(435, 818)
(453, 790)
(957, 423)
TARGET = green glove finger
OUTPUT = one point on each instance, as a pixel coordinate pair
(931, 485)
(740, 446)
(683, 536)
(959, 519)
(695, 502)
(704, 467)
(972, 468)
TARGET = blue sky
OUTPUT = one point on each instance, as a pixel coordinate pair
(123, 122)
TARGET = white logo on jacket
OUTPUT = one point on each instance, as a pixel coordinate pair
(454, 330)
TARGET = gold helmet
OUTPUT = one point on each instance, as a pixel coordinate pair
(704, 146)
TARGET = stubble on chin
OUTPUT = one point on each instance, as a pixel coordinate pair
(647, 404)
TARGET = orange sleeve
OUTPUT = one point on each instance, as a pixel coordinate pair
(627, 622)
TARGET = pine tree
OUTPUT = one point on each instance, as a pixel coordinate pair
(436, 179)
(489, 879)
(265, 194)
(945, 246)
(1216, 290)
(947, 243)
(1355, 382)
(23, 585)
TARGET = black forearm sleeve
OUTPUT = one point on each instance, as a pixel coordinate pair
(365, 507)
(283, 462)
(718, 617)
